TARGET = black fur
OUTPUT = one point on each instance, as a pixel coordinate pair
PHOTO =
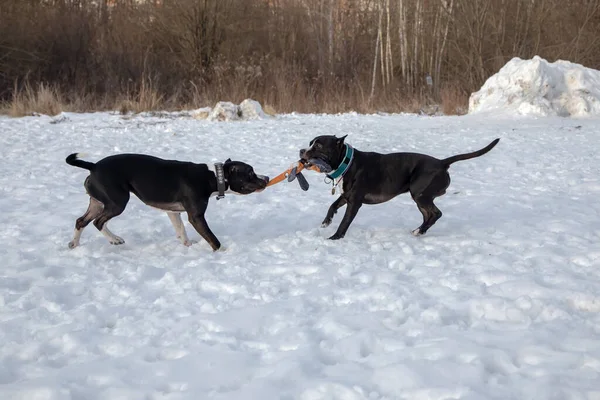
(172, 186)
(374, 178)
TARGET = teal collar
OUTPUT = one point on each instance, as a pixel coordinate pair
(344, 165)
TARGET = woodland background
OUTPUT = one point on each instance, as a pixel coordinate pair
(290, 55)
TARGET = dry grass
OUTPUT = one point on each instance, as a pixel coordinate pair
(147, 99)
(454, 100)
(50, 102)
(29, 100)
(201, 115)
(269, 110)
(287, 95)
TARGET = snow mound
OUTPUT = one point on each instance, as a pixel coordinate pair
(227, 111)
(540, 88)
(251, 109)
(57, 119)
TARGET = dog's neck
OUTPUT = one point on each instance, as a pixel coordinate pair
(345, 157)
(339, 158)
(221, 185)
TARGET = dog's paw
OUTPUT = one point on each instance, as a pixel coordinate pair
(117, 241)
(417, 232)
(73, 244)
(326, 222)
(187, 243)
(336, 237)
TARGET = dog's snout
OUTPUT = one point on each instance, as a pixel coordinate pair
(263, 178)
(302, 152)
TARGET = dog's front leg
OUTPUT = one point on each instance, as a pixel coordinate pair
(199, 223)
(340, 202)
(354, 205)
(196, 206)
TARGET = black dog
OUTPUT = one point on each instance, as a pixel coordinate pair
(169, 185)
(373, 178)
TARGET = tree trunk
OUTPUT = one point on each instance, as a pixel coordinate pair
(377, 44)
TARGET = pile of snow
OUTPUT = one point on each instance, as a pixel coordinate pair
(226, 111)
(57, 119)
(538, 87)
(251, 109)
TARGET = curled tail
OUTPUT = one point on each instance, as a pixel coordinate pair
(74, 160)
(460, 157)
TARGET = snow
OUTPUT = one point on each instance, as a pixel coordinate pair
(499, 300)
(540, 88)
(251, 109)
(227, 111)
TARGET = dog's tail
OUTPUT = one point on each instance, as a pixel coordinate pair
(460, 157)
(74, 160)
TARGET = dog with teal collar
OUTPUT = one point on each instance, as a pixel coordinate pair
(374, 178)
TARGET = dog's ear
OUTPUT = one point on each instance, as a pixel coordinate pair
(341, 139)
(228, 160)
(229, 168)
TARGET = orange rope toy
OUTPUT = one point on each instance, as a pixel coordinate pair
(286, 174)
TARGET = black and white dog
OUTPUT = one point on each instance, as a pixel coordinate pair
(169, 185)
(373, 178)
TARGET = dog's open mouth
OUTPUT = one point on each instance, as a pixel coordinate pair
(321, 165)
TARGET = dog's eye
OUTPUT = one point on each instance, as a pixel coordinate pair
(318, 145)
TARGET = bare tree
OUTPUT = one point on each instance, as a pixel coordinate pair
(377, 46)
(307, 55)
(403, 42)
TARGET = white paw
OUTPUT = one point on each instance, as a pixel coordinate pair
(73, 244)
(417, 232)
(187, 243)
(117, 241)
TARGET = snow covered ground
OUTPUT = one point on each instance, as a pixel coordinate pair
(500, 300)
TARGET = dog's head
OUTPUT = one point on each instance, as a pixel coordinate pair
(242, 179)
(327, 149)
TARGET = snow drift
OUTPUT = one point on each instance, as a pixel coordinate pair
(226, 111)
(538, 87)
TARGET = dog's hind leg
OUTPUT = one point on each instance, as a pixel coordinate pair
(175, 218)
(112, 209)
(423, 193)
(112, 238)
(94, 210)
(430, 214)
